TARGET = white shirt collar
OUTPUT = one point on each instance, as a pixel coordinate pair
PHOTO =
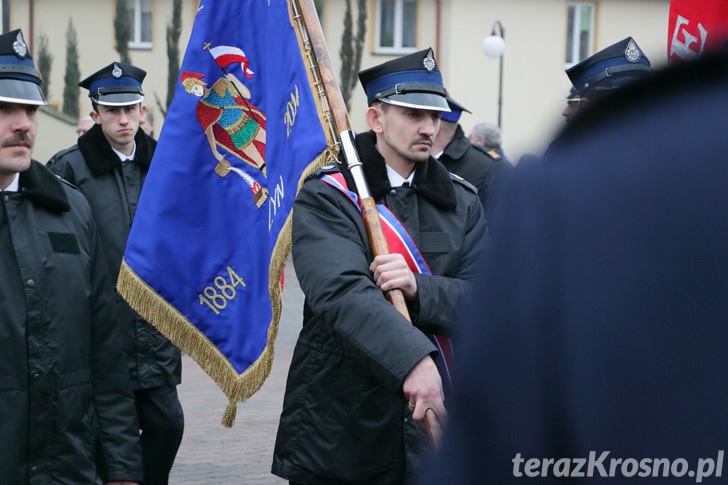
(14, 185)
(396, 180)
(123, 157)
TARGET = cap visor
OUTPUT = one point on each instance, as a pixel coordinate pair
(22, 92)
(429, 101)
(119, 99)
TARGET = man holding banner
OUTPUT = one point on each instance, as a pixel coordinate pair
(362, 377)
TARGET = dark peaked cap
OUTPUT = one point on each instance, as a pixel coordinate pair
(412, 81)
(610, 68)
(117, 84)
(573, 96)
(456, 109)
(20, 81)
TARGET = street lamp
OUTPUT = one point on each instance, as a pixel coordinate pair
(494, 46)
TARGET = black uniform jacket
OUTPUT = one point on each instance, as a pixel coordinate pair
(598, 336)
(96, 170)
(61, 358)
(344, 415)
(482, 168)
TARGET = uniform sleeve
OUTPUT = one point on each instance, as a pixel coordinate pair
(113, 395)
(332, 265)
(440, 298)
(60, 167)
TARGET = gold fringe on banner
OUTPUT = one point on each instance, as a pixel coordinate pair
(188, 338)
(185, 335)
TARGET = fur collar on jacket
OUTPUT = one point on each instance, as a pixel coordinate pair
(432, 180)
(100, 157)
(44, 188)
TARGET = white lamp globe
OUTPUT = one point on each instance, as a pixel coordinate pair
(494, 46)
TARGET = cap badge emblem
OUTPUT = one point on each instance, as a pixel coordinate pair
(632, 52)
(429, 62)
(19, 46)
(116, 71)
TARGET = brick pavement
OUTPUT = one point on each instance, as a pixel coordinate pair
(213, 454)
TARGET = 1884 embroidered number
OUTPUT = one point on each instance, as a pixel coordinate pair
(217, 295)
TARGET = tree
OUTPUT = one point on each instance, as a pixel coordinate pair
(122, 30)
(174, 31)
(351, 49)
(45, 63)
(71, 93)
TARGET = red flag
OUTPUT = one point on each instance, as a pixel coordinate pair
(695, 27)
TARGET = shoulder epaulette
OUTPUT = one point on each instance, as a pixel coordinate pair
(457, 178)
(328, 168)
(491, 153)
(63, 153)
(66, 182)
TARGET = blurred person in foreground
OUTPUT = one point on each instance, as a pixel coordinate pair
(597, 339)
(63, 382)
(362, 376)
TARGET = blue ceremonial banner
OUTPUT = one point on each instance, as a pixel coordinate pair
(211, 236)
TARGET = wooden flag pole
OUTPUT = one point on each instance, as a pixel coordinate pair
(345, 137)
(304, 11)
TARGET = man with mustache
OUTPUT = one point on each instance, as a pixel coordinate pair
(64, 388)
(109, 165)
(362, 376)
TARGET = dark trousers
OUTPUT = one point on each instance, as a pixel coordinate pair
(161, 422)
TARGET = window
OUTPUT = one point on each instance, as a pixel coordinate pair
(396, 26)
(580, 32)
(140, 12)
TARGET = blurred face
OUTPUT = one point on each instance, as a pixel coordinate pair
(144, 122)
(119, 124)
(84, 126)
(18, 127)
(572, 107)
(404, 134)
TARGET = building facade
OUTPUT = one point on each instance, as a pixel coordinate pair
(542, 38)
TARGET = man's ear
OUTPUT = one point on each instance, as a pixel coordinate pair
(94, 116)
(374, 116)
